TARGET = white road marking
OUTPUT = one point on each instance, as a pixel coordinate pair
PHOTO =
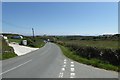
(15, 67)
(64, 62)
(72, 75)
(61, 75)
(63, 69)
(72, 62)
(72, 69)
(72, 65)
(64, 65)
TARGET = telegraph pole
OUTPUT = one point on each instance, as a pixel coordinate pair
(33, 34)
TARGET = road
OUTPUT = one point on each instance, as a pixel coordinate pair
(49, 62)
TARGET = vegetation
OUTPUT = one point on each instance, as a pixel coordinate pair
(103, 44)
(98, 51)
(36, 42)
(15, 40)
(7, 56)
(6, 51)
(94, 62)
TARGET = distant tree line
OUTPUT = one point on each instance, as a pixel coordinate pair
(101, 37)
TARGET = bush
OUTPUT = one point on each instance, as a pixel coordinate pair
(94, 62)
(8, 55)
(108, 56)
(7, 51)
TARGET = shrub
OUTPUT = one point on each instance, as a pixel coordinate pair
(108, 56)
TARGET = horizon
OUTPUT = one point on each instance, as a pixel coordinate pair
(61, 35)
(60, 18)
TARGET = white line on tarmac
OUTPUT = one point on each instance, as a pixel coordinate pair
(72, 65)
(72, 75)
(64, 62)
(64, 65)
(63, 69)
(15, 67)
(72, 69)
(72, 62)
(61, 75)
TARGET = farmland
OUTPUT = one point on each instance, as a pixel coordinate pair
(101, 52)
(108, 44)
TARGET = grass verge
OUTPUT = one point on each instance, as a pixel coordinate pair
(15, 40)
(93, 62)
(7, 56)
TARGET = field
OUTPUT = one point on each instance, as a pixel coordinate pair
(14, 40)
(108, 44)
(103, 52)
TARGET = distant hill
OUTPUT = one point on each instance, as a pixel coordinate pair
(100, 37)
(10, 34)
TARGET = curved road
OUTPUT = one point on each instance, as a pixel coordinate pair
(49, 62)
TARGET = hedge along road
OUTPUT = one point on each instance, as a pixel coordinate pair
(49, 62)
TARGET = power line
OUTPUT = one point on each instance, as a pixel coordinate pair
(14, 25)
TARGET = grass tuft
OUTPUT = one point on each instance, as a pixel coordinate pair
(94, 62)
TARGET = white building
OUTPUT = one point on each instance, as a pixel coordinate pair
(5, 37)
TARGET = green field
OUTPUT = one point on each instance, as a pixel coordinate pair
(109, 44)
(100, 52)
(15, 40)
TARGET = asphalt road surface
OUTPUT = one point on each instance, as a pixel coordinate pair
(49, 62)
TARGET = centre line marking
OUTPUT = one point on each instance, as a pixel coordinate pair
(72, 69)
(63, 69)
(64, 62)
(72, 62)
(61, 75)
(72, 75)
(64, 65)
(72, 65)
(15, 67)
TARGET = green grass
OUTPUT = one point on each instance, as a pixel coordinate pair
(93, 62)
(109, 44)
(7, 56)
(37, 44)
(7, 51)
(15, 40)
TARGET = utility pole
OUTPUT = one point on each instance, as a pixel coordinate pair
(33, 34)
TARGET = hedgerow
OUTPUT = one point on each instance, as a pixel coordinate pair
(109, 56)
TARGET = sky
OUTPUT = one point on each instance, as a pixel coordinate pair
(60, 18)
(60, 0)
